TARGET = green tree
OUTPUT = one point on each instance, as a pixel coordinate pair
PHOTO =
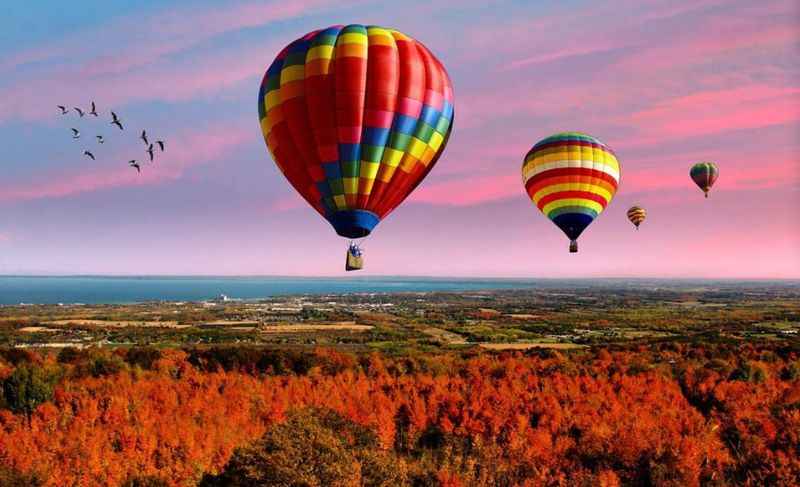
(312, 448)
(27, 387)
(145, 481)
(792, 371)
(103, 365)
(144, 357)
(13, 478)
(749, 371)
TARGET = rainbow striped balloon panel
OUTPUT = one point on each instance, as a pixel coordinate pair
(571, 177)
(355, 117)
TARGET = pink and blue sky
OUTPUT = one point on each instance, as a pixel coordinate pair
(664, 82)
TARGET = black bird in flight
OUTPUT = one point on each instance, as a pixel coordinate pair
(144, 137)
(100, 139)
(133, 163)
(160, 144)
(64, 109)
(89, 154)
(94, 110)
(76, 134)
(80, 112)
(116, 121)
(150, 151)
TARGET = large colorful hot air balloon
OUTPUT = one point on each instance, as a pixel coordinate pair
(636, 215)
(355, 117)
(704, 174)
(571, 177)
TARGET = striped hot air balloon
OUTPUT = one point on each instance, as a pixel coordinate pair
(704, 174)
(571, 177)
(636, 215)
(355, 117)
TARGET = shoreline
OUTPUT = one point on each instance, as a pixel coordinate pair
(111, 290)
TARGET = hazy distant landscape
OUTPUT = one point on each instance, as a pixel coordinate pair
(134, 289)
(484, 312)
(647, 382)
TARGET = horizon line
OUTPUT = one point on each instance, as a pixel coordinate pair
(392, 276)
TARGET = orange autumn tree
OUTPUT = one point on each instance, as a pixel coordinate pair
(661, 414)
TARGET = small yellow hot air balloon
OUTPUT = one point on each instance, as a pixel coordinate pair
(636, 215)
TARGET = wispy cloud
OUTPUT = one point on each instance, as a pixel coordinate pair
(36, 99)
(733, 176)
(144, 68)
(560, 55)
(708, 112)
(286, 203)
(470, 190)
(185, 151)
(164, 32)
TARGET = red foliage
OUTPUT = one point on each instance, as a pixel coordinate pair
(592, 418)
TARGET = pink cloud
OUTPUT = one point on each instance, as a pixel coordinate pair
(733, 177)
(647, 68)
(166, 81)
(143, 70)
(709, 112)
(558, 55)
(666, 9)
(184, 151)
(286, 203)
(177, 30)
(470, 190)
(168, 31)
(747, 167)
(611, 22)
(663, 175)
(464, 191)
(460, 192)
(700, 48)
(478, 190)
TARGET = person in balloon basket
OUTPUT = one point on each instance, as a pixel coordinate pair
(355, 259)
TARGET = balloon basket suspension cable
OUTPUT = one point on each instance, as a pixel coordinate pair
(363, 241)
(573, 246)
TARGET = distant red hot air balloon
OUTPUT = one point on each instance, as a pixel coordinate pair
(355, 117)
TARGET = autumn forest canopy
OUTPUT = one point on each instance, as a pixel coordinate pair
(667, 413)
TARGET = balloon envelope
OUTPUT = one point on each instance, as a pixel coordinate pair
(571, 177)
(355, 116)
(636, 215)
(704, 174)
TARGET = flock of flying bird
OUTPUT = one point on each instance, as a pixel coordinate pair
(115, 120)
